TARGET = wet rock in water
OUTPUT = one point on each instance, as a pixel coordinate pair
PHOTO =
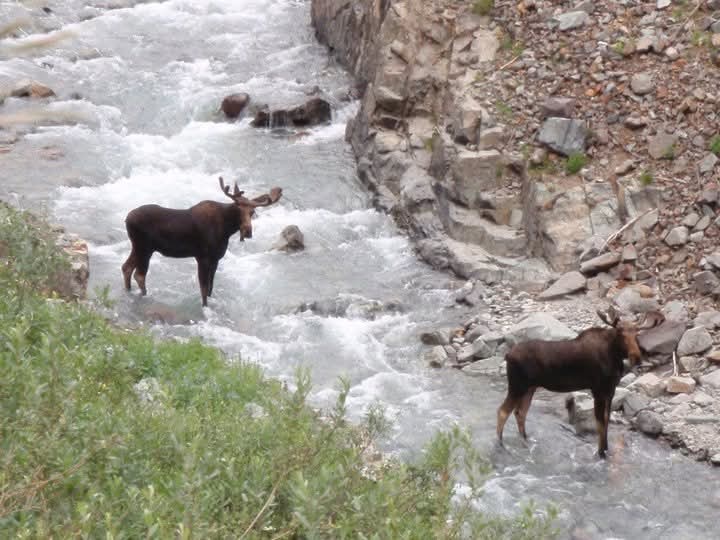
(31, 89)
(435, 337)
(291, 239)
(436, 357)
(581, 412)
(477, 350)
(234, 104)
(161, 313)
(315, 111)
(495, 365)
(350, 305)
(649, 422)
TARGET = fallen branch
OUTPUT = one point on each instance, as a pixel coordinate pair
(508, 63)
(690, 16)
(610, 239)
(675, 369)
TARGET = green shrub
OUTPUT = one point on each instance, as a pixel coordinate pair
(715, 145)
(114, 434)
(646, 178)
(483, 7)
(575, 162)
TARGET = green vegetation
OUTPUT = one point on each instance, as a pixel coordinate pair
(646, 178)
(575, 162)
(113, 434)
(504, 110)
(483, 7)
(515, 47)
(670, 152)
(715, 145)
(699, 38)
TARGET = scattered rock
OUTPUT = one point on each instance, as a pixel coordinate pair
(234, 104)
(694, 341)
(566, 284)
(563, 135)
(649, 422)
(651, 384)
(680, 385)
(538, 326)
(291, 239)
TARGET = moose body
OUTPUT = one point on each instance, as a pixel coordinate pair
(591, 361)
(202, 231)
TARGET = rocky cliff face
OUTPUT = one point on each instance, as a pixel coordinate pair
(440, 154)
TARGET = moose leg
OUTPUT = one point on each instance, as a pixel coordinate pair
(213, 269)
(141, 270)
(509, 405)
(203, 278)
(522, 410)
(601, 418)
(128, 267)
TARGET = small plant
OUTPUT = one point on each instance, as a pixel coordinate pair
(715, 145)
(646, 178)
(483, 7)
(619, 47)
(700, 38)
(503, 109)
(575, 162)
(670, 152)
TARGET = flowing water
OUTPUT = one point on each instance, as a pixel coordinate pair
(144, 127)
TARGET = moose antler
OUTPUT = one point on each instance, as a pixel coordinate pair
(236, 195)
(610, 318)
(268, 198)
(651, 320)
(263, 200)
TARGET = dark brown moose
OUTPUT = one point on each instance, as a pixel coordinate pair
(202, 231)
(593, 361)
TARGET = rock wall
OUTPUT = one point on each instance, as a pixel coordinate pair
(434, 153)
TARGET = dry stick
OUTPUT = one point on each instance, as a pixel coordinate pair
(621, 230)
(675, 369)
(509, 63)
(264, 507)
(677, 32)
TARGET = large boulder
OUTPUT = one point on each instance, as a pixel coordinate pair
(313, 112)
(663, 339)
(539, 326)
(291, 239)
(234, 104)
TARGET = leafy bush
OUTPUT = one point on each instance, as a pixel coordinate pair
(715, 145)
(111, 433)
(483, 7)
(575, 162)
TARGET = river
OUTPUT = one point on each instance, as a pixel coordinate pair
(136, 121)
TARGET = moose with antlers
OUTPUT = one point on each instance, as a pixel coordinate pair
(592, 361)
(202, 231)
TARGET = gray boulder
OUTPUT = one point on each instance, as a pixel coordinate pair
(539, 326)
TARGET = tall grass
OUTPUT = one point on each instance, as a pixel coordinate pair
(106, 433)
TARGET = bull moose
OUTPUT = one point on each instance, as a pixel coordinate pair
(201, 231)
(593, 360)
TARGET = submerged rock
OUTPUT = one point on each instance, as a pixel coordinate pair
(314, 111)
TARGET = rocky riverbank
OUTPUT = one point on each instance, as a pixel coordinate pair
(562, 147)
